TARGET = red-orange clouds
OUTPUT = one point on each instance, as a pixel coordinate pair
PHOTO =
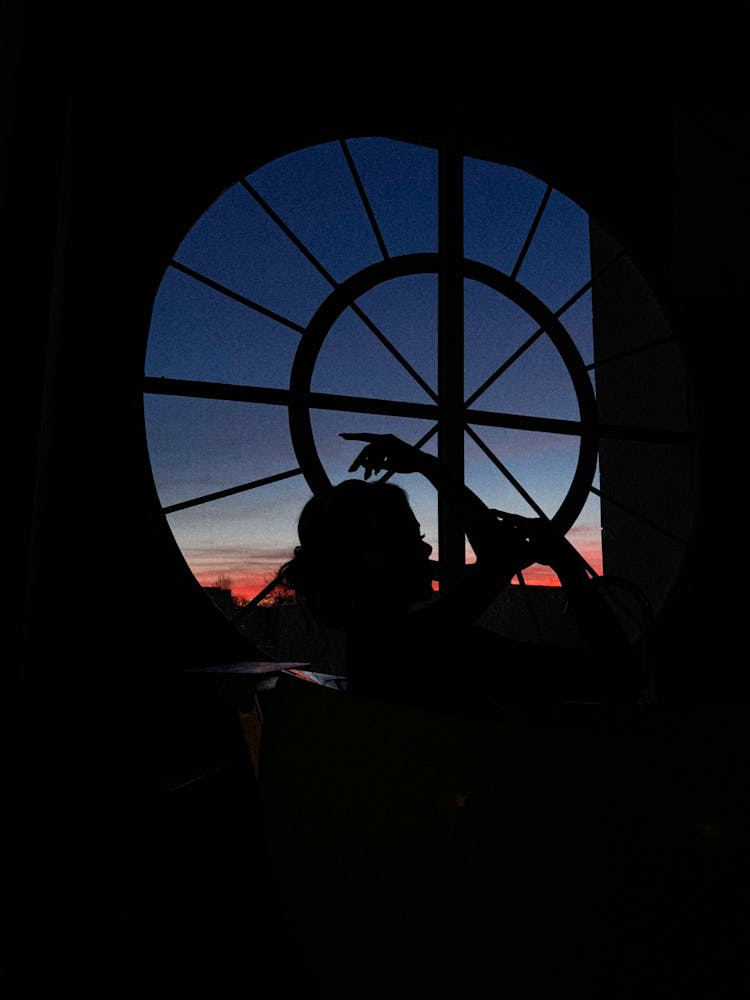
(245, 585)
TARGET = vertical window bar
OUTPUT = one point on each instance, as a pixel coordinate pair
(450, 352)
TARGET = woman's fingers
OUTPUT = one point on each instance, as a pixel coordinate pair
(368, 461)
(364, 459)
(364, 463)
(373, 455)
(360, 437)
(383, 451)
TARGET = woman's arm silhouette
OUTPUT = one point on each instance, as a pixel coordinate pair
(501, 551)
(504, 546)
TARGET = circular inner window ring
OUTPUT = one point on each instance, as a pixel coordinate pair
(301, 398)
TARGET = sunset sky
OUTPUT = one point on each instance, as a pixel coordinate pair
(198, 447)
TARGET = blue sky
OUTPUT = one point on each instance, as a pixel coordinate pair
(201, 446)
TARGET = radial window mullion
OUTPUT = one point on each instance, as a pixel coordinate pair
(364, 199)
(504, 470)
(511, 360)
(637, 516)
(532, 230)
(633, 352)
(646, 435)
(252, 604)
(278, 221)
(223, 290)
(524, 422)
(373, 328)
(586, 286)
(491, 379)
(369, 404)
(215, 390)
(231, 491)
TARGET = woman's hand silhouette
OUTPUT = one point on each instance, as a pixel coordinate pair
(386, 452)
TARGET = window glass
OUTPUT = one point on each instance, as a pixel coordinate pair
(257, 269)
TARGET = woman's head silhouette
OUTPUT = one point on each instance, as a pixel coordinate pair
(359, 545)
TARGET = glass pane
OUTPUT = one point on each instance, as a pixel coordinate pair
(405, 310)
(586, 533)
(241, 539)
(579, 323)
(353, 361)
(198, 333)
(201, 446)
(500, 203)
(401, 183)
(543, 464)
(236, 244)
(315, 195)
(536, 383)
(558, 261)
(494, 328)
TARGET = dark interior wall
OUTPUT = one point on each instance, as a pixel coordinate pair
(118, 134)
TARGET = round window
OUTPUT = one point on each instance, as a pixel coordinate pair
(466, 306)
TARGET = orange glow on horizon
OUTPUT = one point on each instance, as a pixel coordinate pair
(539, 576)
(245, 586)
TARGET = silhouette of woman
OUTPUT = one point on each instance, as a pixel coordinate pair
(362, 564)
